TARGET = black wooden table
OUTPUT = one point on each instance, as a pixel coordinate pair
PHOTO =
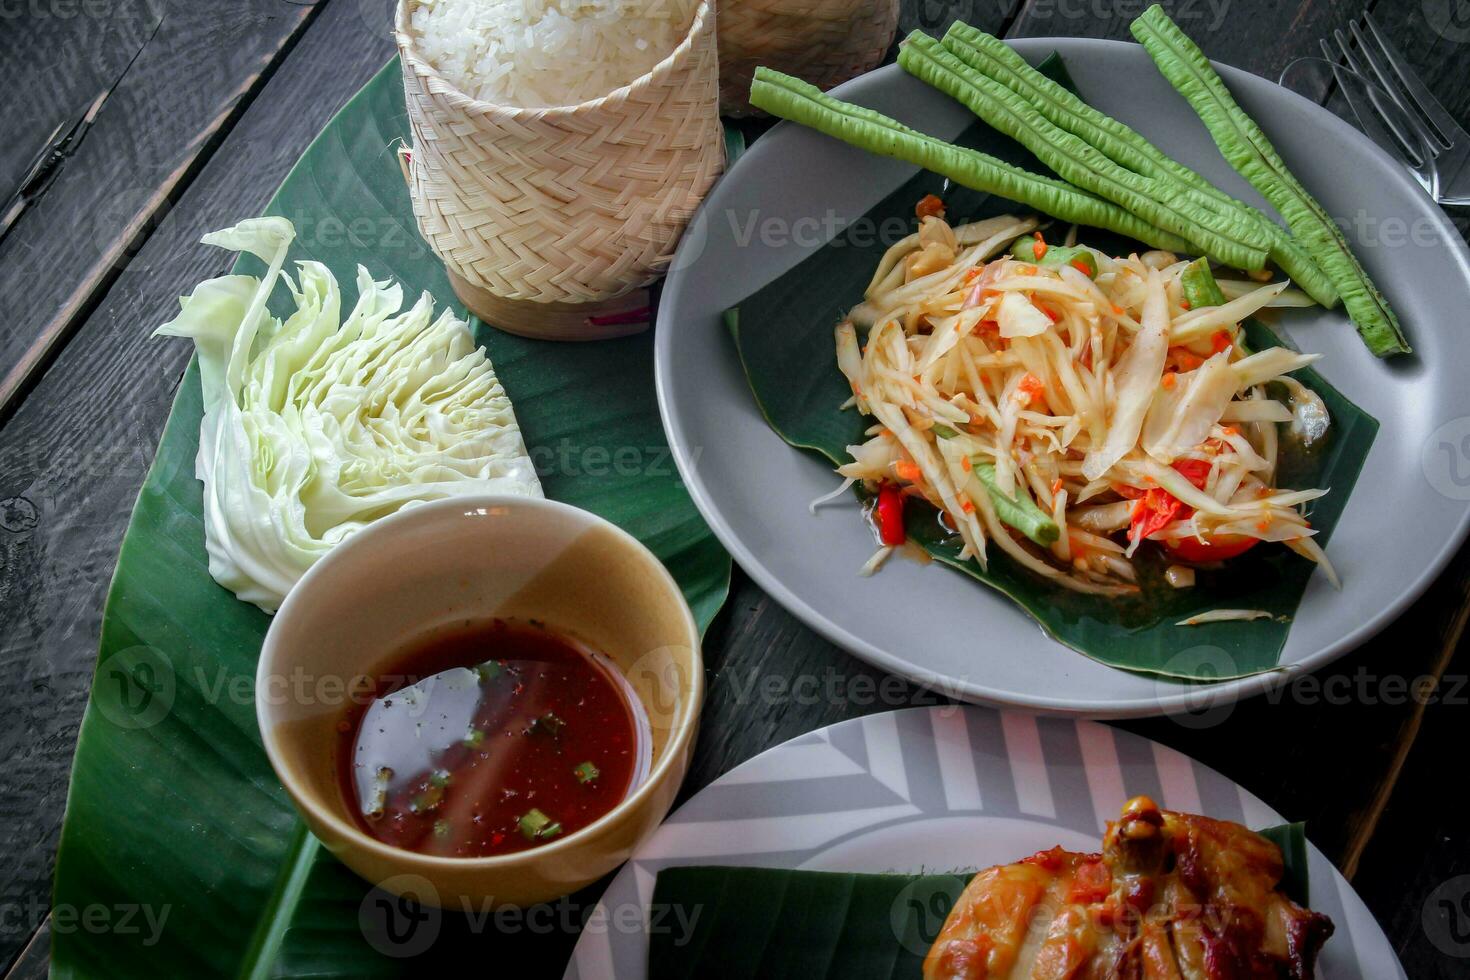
(209, 105)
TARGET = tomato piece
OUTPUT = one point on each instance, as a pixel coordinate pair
(1220, 547)
(888, 515)
(1196, 471)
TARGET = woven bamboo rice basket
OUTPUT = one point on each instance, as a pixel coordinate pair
(824, 42)
(551, 221)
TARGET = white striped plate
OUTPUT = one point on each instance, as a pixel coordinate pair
(940, 789)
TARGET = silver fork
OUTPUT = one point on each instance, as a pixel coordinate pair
(1434, 147)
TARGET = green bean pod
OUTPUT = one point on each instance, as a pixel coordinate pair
(997, 60)
(1020, 511)
(790, 98)
(1248, 150)
(1198, 284)
(1055, 256)
(1166, 204)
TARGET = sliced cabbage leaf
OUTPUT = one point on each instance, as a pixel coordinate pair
(1019, 317)
(316, 426)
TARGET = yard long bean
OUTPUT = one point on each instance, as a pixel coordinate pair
(1248, 150)
(790, 98)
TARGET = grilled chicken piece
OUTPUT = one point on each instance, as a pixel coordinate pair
(1172, 896)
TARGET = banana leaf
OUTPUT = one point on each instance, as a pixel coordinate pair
(1292, 839)
(174, 812)
(772, 923)
(783, 336)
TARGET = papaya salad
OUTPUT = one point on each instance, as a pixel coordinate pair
(1069, 408)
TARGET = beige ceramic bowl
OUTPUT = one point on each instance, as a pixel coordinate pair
(475, 558)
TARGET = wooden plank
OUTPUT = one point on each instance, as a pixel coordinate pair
(70, 465)
(935, 16)
(74, 453)
(192, 79)
(1415, 873)
(81, 466)
(53, 61)
(1413, 865)
(1260, 37)
(1328, 748)
(1324, 749)
(33, 961)
(1360, 750)
(772, 679)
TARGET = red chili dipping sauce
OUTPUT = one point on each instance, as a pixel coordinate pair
(490, 738)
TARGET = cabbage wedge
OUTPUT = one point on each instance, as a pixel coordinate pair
(316, 426)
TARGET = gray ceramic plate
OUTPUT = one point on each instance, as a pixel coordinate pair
(786, 196)
(941, 789)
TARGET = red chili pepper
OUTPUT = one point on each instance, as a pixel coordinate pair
(889, 515)
(929, 206)
(1158, 507)
(1038, 247)
(1152, 513)
(1081, 267)
(1220, 546)
(1220, 340)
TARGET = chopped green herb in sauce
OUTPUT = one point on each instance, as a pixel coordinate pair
(536, 825)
